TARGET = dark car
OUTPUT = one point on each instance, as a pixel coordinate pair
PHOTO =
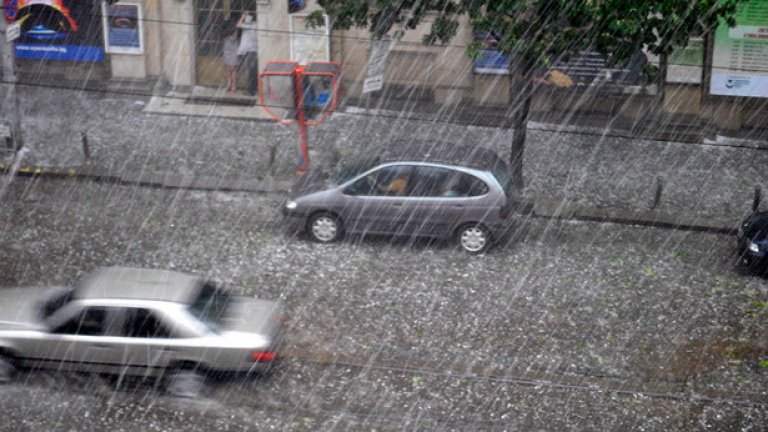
(429, 189)
(753, 241)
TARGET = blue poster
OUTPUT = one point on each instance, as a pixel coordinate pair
(492, 62)
(123, 29)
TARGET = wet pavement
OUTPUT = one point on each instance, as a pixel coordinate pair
(570, 326)
(581, 167)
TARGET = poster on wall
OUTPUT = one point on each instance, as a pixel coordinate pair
(309, 44)
(67, 30)
(684, 64)
(740, 56)
(123, 29)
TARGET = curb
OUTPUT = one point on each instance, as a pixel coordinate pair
(548, 209)
(153, 180)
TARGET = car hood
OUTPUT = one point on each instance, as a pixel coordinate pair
(312, 181)
(20, 307)
(756, 226)
(249, 315)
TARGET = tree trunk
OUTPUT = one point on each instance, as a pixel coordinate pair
(521, 89)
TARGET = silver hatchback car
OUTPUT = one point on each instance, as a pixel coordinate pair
(139, 322)
(439, 190)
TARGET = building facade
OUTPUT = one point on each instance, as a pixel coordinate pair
(177, 44)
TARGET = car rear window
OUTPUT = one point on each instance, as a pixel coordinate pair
(503, 174)
(211, 304)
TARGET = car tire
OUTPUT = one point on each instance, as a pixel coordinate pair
(186, 382)
(7, 369)
(325, 227)
(473, 238)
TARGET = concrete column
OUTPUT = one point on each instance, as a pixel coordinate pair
(177, 40)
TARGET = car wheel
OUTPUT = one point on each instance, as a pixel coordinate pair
(7, 369)
(325, 228)
(185, 383)
(474, 238)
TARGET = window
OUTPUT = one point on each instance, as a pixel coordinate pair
(55, 302)
(387, 181)
(430, 181)
(211, 305)
(89, 322)
(142, 323)
(464, 185)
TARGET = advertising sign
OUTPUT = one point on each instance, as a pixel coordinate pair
(740, 56)
(12, 32)
(123, 29)
(68, 30)
(490, 60)
(377, 62)
(10, 9)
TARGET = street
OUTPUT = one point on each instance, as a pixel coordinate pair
(570, 326)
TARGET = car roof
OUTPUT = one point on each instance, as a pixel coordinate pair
(439, 152)
(139, 284)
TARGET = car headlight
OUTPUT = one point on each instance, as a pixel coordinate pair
(753, 247)
(291, 205)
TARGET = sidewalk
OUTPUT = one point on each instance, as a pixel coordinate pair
(571, 172)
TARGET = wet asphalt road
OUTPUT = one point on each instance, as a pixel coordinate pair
(571, 326)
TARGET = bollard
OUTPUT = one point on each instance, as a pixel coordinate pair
(86, 148)
(657, 195)
(272, 157)
(756, 198)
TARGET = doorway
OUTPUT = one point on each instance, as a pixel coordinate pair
(213, 20)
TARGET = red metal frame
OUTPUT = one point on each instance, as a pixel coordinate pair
(298, 72)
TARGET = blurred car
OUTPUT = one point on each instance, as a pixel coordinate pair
(138, 322)
(752, 241)
(412, 188)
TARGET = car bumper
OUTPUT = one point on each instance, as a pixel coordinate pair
(293, 222)
(749, 257)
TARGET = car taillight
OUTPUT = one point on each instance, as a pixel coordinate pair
(263, 356)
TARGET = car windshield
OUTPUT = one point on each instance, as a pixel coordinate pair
(501, 171)
(55, 302)
(348, 169)
(211, 305)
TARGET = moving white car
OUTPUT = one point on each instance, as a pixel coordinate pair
(138, 322)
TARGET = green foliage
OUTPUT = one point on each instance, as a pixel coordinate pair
(538, 32)
(763, 363)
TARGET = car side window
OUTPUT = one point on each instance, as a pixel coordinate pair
(89, 322)
(462, 185)
(388, 181)
(430, 181)
(143, 323)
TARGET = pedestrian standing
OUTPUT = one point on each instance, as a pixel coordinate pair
(248, 49)
(231, 59)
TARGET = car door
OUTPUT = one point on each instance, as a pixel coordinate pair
(86, 341)
(378, 201)
(151, 344)
(430, 216)
(447, 198)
